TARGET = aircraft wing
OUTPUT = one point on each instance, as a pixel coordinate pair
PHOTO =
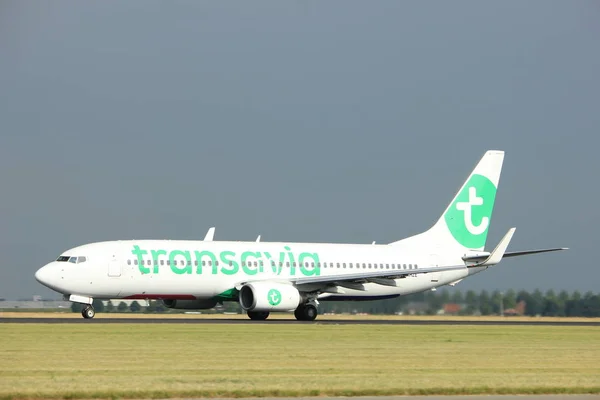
(386, 277)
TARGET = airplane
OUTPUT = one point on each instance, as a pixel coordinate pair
(267, 277)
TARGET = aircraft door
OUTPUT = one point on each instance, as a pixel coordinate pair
(114, 267)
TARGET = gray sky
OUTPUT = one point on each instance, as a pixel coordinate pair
(338, 121)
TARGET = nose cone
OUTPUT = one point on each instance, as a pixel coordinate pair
(48, 276)
(43, 275)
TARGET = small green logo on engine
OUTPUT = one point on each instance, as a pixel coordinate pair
(274, 297)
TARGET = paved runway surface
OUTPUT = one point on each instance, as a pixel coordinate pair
(284, 321)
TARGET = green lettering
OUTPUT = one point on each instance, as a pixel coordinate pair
(155, 254)
(184, 269)
(313, 267)
(230, 266)
(210, 255)
(291, 257)
(140, 258)
(249, 269)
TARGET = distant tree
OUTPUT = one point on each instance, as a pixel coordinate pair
(495, 301)
(510, 299)
(574, 308)
(98, 305)
(110, 307)
(591, 306)
(122, 307)
(155, 306)
(485, 306)
(135, 307)
(472, 301)
(534, 304)
(551, 307)
(76, 307)
(457, 297)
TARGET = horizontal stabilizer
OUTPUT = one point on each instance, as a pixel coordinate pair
(479, 258)
(495, 256)
(526, 252)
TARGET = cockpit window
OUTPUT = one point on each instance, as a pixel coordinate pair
(74, 260)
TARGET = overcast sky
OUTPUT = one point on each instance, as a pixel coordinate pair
(337, 121)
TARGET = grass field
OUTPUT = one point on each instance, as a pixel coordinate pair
(173, 360)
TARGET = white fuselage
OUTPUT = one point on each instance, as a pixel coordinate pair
(170, 269)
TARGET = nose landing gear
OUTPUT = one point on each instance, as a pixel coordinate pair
(88, 312)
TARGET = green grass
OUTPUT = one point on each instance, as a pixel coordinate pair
(204, 360)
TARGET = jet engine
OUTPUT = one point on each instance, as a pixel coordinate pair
(190, 304)
(269, 296)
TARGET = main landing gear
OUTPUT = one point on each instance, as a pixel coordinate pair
(258, 315)
(306, 312)
(88, 312)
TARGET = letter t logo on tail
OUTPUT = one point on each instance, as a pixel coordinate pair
(468, 218)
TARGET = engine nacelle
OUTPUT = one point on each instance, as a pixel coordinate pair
(269, 296)
(190, 304)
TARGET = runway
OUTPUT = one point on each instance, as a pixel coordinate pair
(289, 321)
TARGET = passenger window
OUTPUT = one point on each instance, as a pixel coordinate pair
(287, 264)
(243, 263)
(162, 262)
(135, 262)
(168, 262)
(209, 263)
(128, 262)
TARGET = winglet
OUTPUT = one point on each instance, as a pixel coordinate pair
(496, 255)
(210, 235)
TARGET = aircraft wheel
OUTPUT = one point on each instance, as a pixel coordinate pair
(309, 312)
(299, 313)
(258, 315)
(88, 312)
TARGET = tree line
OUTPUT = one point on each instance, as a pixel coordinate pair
(510, 302)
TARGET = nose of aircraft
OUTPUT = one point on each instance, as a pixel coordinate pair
(47, 275)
